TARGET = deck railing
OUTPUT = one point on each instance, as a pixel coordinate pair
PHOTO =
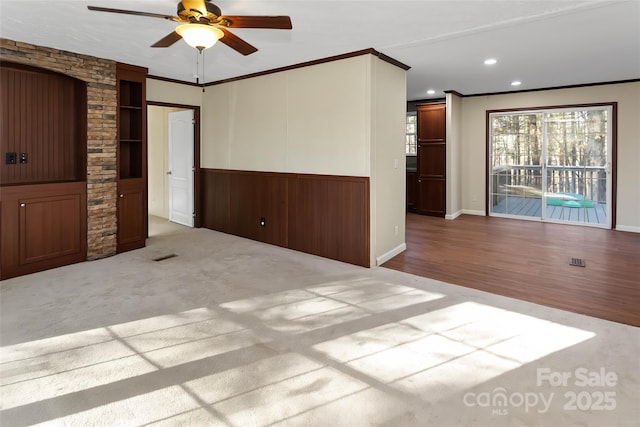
(526, 181)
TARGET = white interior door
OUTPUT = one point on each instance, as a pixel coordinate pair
(181, 167)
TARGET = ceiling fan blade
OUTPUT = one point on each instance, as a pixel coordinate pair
(130, 12)
(195, 4)
(167, 40)
(235, 42)
(273, 22)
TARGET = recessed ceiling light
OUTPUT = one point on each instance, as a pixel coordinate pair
(516, 83)
(431, 92)
(490, 61)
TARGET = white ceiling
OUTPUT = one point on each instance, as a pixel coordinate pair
(541, 43)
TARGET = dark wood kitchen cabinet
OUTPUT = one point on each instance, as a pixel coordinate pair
(132, 157)
(431, 162)
(411, 191)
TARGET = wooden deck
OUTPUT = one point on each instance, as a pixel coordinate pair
(529, 260)
(532, 207)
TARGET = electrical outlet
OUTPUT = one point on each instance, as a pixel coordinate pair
(24, 158)
(11, 158)
(263, 222)
(395, 230)
(474, 198)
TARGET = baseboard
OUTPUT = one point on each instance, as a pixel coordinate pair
(453, 216)
(628, 228)
(472, 212)
(393, 252)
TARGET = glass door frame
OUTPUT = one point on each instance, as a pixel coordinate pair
(610, 167)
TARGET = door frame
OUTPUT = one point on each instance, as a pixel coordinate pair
(197, 206)
(613, 159)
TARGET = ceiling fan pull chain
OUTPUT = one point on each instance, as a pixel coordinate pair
(197, 69)
(203, 61)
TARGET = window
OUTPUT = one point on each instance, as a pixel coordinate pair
(411, 136)
(552, 164)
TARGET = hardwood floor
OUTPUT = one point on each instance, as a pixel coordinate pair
(529, 261)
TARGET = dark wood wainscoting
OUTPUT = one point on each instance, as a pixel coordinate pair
(329, 216)
(43, 226)
(323, 215)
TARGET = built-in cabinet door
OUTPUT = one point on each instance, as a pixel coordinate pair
(132, 226)
(50, 227)
(43, 226)
(431, 196)
(431, 180)
(432, 122)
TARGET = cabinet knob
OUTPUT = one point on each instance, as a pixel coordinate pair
(22, 205)
(122, 195)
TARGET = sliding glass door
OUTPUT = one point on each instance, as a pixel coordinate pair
(551, 165)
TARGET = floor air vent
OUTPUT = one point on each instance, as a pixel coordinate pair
(577, 262)
(162, 258)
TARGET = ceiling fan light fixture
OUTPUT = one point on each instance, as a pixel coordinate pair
(199, 36)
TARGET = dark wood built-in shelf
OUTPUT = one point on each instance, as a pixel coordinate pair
(43, 196)
(132, 157)
(131, 90)
(44, 116)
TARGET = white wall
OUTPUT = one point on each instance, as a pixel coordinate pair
(306, 120)
(173, 93)
(627, 95)
(388, 160)
(454, 156)
(328, 118)
(343, 117)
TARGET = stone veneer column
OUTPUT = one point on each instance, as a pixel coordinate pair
(100, 76)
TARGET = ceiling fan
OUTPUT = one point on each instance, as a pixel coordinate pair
(202, 24)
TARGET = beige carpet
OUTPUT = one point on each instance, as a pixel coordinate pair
(232, 332)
